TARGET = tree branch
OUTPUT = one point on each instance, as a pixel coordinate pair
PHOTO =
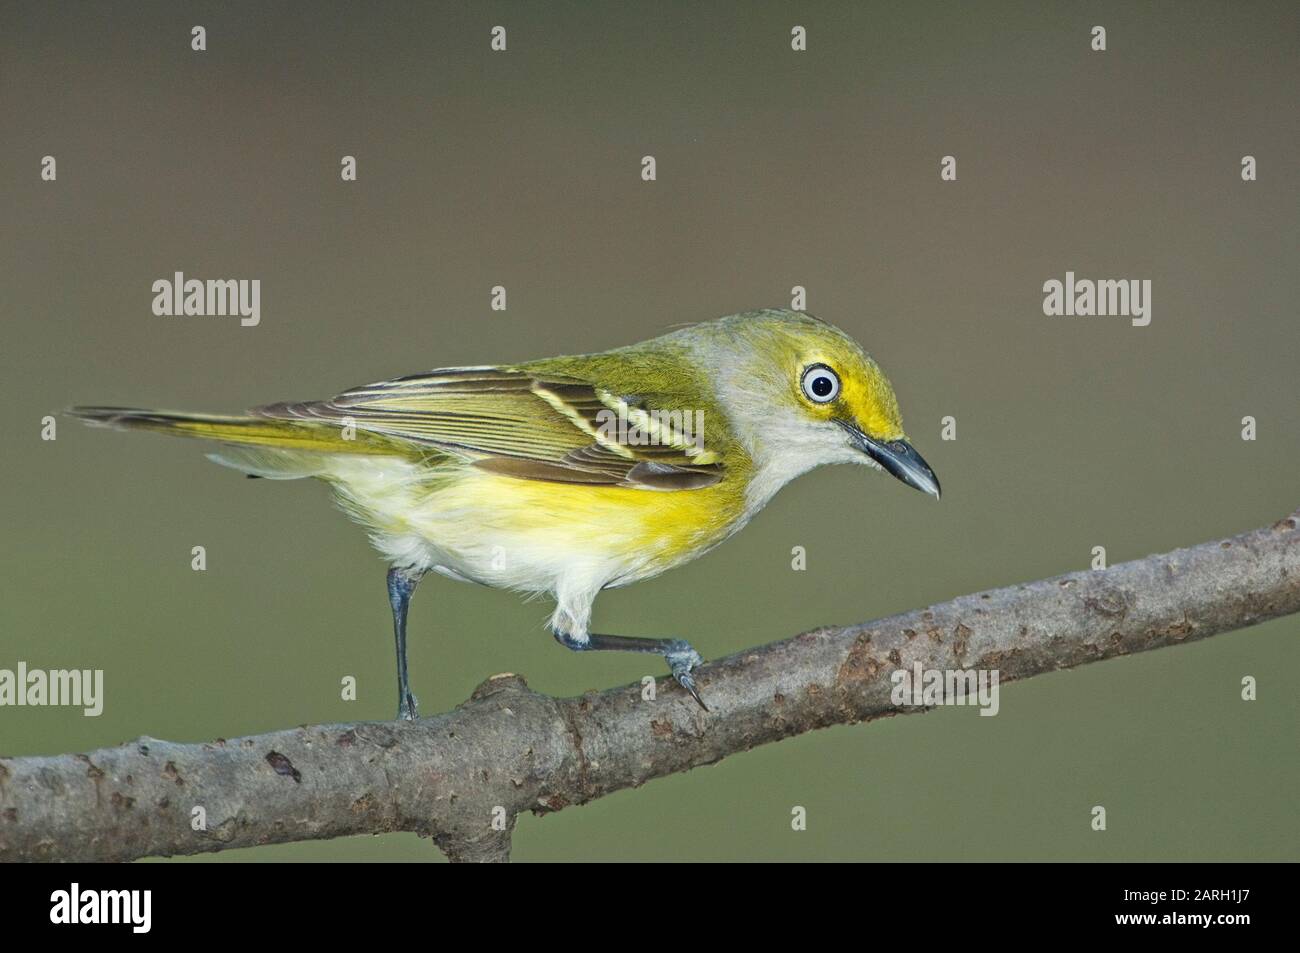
(509, 749)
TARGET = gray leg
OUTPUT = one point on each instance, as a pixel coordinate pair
(681, 658)
(401, 583)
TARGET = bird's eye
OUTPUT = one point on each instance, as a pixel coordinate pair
(820, 384)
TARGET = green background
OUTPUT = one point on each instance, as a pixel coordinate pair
(774, 169)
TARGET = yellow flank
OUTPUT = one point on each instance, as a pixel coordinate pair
(636, 525)
(532, 535)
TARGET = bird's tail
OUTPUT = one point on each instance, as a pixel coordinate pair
(259, 446)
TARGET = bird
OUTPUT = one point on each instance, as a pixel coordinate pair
(570, 475)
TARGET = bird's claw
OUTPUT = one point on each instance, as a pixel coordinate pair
(406, 709)
(682, 660)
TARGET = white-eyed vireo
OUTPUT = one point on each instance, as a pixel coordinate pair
(574, 474)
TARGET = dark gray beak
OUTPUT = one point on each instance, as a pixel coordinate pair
(899, 458)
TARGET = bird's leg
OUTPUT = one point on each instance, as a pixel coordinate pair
(681, 657)
(401, 583)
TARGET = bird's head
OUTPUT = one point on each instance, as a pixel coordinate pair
(801, 393)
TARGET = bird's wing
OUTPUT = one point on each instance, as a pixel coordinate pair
(539, 427)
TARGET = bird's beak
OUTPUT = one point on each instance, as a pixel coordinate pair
(898, 457)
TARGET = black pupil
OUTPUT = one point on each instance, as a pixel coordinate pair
(822, 385)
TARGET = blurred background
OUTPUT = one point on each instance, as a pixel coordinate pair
(775, 169)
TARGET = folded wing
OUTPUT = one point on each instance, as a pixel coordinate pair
(525, 425)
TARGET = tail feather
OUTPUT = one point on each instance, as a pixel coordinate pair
(316, 437)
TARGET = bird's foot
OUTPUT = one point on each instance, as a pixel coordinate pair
(681, 657)
(406, 708)
(682, 661)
